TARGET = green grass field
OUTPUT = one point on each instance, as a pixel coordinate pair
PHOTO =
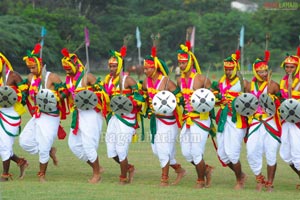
(69, 179)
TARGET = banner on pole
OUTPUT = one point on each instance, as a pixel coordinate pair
(138, 38)
(242, 34)
(87, 39)
(193, 37)
(43, 33)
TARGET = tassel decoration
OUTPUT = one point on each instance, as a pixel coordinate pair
(123, 51)
(267, 56)
(37, 48)
(238, 54)
(188, 44)
(65, 52)
(153, 52)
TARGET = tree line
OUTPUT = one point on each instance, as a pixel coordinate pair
(217, 30)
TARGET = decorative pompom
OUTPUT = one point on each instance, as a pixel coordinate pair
(37, 48)
(153, 51)
(298, 51)
(65, 52)
(123, 51)
(188, 44)
(238, 54)
(267, 56)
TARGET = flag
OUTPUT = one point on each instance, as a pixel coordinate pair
(193, 37)
(43, 33)
(242, 33)
(138, 38)
(87, 39)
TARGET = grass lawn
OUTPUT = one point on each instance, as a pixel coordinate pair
(69, 179)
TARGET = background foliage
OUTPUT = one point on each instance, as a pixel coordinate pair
(217, 29)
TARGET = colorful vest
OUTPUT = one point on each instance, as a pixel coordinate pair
(260, 115)
(229, 91)
(18, 107)
(113, 88)
(284, 84)
(190, 116)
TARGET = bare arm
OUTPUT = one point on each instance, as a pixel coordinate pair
(14, 78)
(129, 82)
(201, 81)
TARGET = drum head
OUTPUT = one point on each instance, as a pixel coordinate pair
(164, 102)
(267, 103)
(290, 110)
(86, 100)
(121, 105)
(46, 101)
(203, 100)
(246, 104)
(8, 97)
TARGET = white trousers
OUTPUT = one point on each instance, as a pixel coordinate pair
(38, 136)
(290, 144)
(164, 142)
(6, 141)
(118, 138)
(193, 141)
(230, 142)
(85, 143)
(259, 143)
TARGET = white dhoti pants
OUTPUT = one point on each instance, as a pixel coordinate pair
(290, 144)
(118, 138)
(85, 143)
(39, 134)
(164, 142)
(261, 142)
(193, 140)
(230, 142)
(7, 141)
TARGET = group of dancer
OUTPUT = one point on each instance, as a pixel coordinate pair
(122, 102)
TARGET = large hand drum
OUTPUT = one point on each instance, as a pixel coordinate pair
(121, 105)
(203, 100)
(8, 97)
(246, 104)
(46, 101)
(290, 110)
(164, 102)
(267, 103)
(86, 100)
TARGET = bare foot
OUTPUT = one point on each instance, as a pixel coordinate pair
(53, 155)
(42, 177)
(23, 164)
(95, 179)
(240, 184)
(131, 172)
(101, 170)
(259, 187)
(200, 185)
(270, 188)
(180, 175)
(3, 179)
(208, 172)
(164, 184)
